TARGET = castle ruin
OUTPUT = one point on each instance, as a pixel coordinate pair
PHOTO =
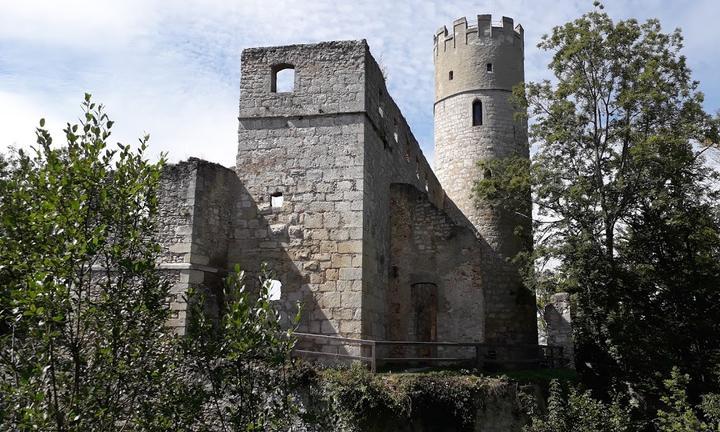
(332, 190)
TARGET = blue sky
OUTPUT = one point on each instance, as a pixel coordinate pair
(171, 68)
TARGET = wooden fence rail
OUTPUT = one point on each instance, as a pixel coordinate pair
(483, 354)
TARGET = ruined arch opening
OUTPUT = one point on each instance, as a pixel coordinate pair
(283, 78)
(477, 113)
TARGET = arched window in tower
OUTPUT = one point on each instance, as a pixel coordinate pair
(477, 113)
(283, 78)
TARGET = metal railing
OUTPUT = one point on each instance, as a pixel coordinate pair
(483, 354)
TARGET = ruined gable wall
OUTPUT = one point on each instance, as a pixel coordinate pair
(392, 155)
(193, 229)
(428, 247)
(307, 145)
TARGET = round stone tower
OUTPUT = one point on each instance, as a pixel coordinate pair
(476, 68)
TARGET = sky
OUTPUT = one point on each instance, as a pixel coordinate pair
(172, 68)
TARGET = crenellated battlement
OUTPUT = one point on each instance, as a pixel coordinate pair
(465, 34)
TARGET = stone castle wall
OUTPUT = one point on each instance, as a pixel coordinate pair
(193, 229)
(363, 217)
(392, 156)
(429, 248)
(307, 145)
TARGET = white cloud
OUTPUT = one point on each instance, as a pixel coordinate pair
(172, 68)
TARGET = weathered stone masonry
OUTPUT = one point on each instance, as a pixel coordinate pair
(332, 190)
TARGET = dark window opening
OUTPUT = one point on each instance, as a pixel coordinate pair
(450, 75)
(477, 113)
(283, 78)
(489, 67)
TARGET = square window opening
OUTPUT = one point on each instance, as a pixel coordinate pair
(276, 200)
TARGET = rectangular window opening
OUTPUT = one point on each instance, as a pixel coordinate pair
(276, 200)
(274, 289)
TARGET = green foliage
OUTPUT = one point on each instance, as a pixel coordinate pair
(541, 377)
(626, 219)
(579, 412)
(678, 415)
(82, 311)
(506, 184)
(238, 363)
(356, 400)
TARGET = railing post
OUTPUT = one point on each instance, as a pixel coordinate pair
(373, 358)
(478, 356)
(561, 357)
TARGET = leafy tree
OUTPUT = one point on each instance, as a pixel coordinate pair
(627, 215)
(83, 308)
(239, 362)
(83, 344)
(580, 412)
(680, 416)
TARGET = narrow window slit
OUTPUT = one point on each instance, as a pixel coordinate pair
(477, 113)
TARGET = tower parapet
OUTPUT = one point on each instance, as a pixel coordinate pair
(477, 57)
(462, 33)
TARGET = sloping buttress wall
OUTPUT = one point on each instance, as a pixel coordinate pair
(428, 248)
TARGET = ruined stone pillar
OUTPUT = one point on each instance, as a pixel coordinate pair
(558, 317)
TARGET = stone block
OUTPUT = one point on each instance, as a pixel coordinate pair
(328, 246)
(341, 260)
(331, 274)
(192, 276)
(350, 327)
(313, 220)
(329, 327)
(351, 246)
(180, 248)
(328, 300)
(329, 286)
(351, 299)
(351, 273)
